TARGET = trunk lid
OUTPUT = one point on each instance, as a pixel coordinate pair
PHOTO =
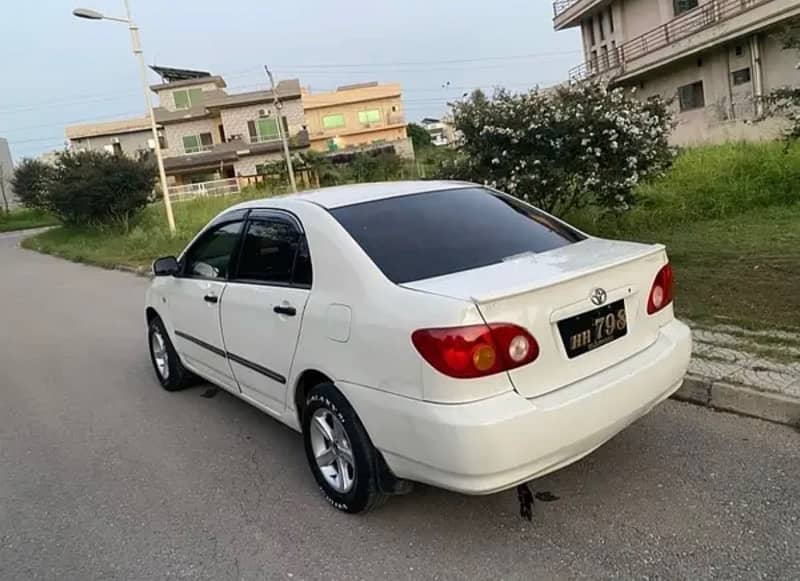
(537, 291)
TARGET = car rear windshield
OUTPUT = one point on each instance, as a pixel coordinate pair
(431, 234)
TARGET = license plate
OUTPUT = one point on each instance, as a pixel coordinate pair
(593, 329)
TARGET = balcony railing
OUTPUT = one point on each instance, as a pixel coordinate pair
(683, 26)
(560, 6)
(204, 189)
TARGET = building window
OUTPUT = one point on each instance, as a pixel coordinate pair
(604, 55)
(739, 50)
(589, 25)
(691, 96)
(187, 98)
(681, 6)
(741, 77)
(369, 117)
(333, 121)
(611, 19)
(262, 130)
(601, 25)
(197, 143)
(593, 62)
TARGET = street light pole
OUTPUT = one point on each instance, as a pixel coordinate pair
(284, 140)
(137, 50)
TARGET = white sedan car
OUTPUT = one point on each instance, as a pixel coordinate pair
(435, 332)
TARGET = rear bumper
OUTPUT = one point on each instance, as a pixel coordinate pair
(494, 444)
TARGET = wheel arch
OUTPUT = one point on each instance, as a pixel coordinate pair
(306, 381)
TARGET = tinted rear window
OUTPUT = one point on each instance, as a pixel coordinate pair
(436, 233)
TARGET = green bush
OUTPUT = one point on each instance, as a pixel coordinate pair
(31, 182)
(90, 188)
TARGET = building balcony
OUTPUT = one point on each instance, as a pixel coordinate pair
(568, 13)
(710, 24)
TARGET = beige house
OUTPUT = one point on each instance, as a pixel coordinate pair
(128, 136)
(714, 57)
(206, 134)
(358, 117)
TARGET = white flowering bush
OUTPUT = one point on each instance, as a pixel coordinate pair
(562, 148)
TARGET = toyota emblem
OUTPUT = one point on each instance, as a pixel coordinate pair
(599, 296)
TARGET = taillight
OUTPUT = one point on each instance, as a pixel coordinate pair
(476, 350)
(661, 291)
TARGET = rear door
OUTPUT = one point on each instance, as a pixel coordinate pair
(194, 300)
(263, 305)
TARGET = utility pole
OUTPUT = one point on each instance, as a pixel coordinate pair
(3, 187)
(137, 50)
(284, 138)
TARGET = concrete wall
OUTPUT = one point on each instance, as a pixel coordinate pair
(235, 119)
(729, 109)
(175, 132)
(7, 169)
(131, 143)
(391, 109)
(166, 99)
(246, 166)
(359, 139)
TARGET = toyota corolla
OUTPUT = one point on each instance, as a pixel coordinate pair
(432, 332)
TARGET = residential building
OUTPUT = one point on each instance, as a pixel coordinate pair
(129, 136)
(441, 131)
(7, 196)
(206, 134)
(715, 58)
(212, 135)
(358, 117)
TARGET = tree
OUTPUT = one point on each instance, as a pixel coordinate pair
(562, 148)
(31, 182)
(419, 136)
(785, 101)
(90, 188)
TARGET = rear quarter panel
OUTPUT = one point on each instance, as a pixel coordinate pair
(375, 350)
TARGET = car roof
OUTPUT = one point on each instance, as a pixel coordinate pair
(338, 196)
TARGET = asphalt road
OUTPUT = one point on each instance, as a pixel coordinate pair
(103, 475)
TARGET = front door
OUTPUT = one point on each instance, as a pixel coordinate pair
(263, 306)
(195, 302)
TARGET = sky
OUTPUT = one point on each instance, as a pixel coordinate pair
(57, 70)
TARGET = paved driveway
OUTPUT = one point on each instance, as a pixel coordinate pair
(103, 475)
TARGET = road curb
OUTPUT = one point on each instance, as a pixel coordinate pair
(740, 399)
(143, 271)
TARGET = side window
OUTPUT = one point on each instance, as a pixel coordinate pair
(210, 256)
(270, 250)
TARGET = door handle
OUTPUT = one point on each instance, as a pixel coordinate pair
(211, 299)
(284, 310)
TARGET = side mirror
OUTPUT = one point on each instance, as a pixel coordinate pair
(165, 266)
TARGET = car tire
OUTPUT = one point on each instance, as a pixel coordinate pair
(171, 373)
(349, 450)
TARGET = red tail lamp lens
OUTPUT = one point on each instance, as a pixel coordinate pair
(476, 350)
(661, 293)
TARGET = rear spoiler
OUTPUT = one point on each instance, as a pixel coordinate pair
(489, 297)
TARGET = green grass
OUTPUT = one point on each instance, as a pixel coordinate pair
(729, 216)
(743, 270)
(24, 219)
(144, 241)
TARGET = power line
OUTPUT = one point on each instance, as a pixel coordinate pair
(447, 61)
(110, 118)
(321, 68)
